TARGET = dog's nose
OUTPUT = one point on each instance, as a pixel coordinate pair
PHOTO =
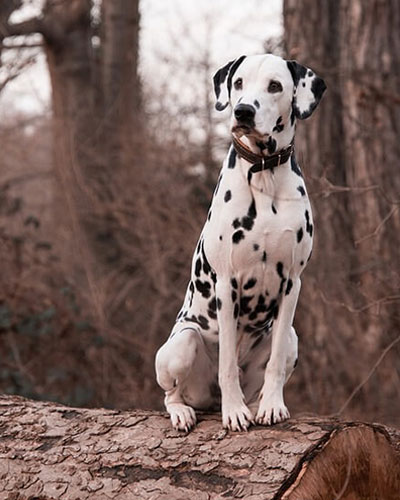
(245, 113)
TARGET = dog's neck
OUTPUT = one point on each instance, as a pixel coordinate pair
(272, 181)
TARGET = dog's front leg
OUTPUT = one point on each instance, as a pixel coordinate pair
(235, 414)
(272, 408)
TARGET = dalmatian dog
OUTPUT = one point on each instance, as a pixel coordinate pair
(245, 278)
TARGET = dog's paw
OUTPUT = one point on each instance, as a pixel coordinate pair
(183, 417)
(236, 417)
(271, 411)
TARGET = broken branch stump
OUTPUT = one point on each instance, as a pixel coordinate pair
(49, 451)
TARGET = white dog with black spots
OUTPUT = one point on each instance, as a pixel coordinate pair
(245, 278)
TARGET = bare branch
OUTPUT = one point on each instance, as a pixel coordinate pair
(369, 375)
(378, 227)
(378, 302)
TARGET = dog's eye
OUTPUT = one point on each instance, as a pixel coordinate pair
(274, 87)
(238, 84)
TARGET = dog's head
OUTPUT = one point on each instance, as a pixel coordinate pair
(267, 94)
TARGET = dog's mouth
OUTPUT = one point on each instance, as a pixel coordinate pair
(241, 129)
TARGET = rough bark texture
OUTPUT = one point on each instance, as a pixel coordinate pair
(350, 152)
(49, 451)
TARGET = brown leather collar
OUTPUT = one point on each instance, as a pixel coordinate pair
(260, 162)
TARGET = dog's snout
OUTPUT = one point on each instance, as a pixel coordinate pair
(245, 113)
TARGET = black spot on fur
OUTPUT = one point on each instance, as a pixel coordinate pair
(232, 158)
(228, 196)
(234, 295)
(289, 286)
(246, 222)
(232, 71)
(257, 104)
(253, 315)
(301, 190)
(249, 176)
(236, 223)
(292, 118)
(271, 145)
(204, 288)
(256, 247)
(264, 256)
(273, 208)
(234, 283)
(251, 282)
(209, 215)
(212, 305)
(220, 237)
(212, 314)
(237, 236)
(294, 166)
(244, 304)
(279, 270)
(278, 126)
(309, 226)
(236, 311)
(302, 262)
(198, 245)
(197, 268)
(299, 235)
(201, 320)
(295, 363)
(218, 183)
(212, 308)
(206, 265)
(219, 304)
(261, 145)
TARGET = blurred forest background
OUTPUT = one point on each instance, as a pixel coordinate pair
(103, 199)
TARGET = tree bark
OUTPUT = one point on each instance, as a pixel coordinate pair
(49, 451)
(350, 152)
(121, 89)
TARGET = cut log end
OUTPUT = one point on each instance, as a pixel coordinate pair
(48, 451)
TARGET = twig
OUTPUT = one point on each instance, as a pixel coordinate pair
(377, 302)
(378, 227)
(371, 372)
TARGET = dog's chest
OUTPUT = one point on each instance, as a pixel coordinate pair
(251, 230)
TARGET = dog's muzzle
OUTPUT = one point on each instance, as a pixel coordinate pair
(244, 115)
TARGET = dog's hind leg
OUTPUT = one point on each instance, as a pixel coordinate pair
(183, 369)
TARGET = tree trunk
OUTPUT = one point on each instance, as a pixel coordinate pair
(93, 119)
(49, 451)
(350, 152)
(120, 80)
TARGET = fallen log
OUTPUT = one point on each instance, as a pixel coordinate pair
(49, 451)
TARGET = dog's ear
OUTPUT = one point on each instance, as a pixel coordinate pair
(223, 83)
(308, 89)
